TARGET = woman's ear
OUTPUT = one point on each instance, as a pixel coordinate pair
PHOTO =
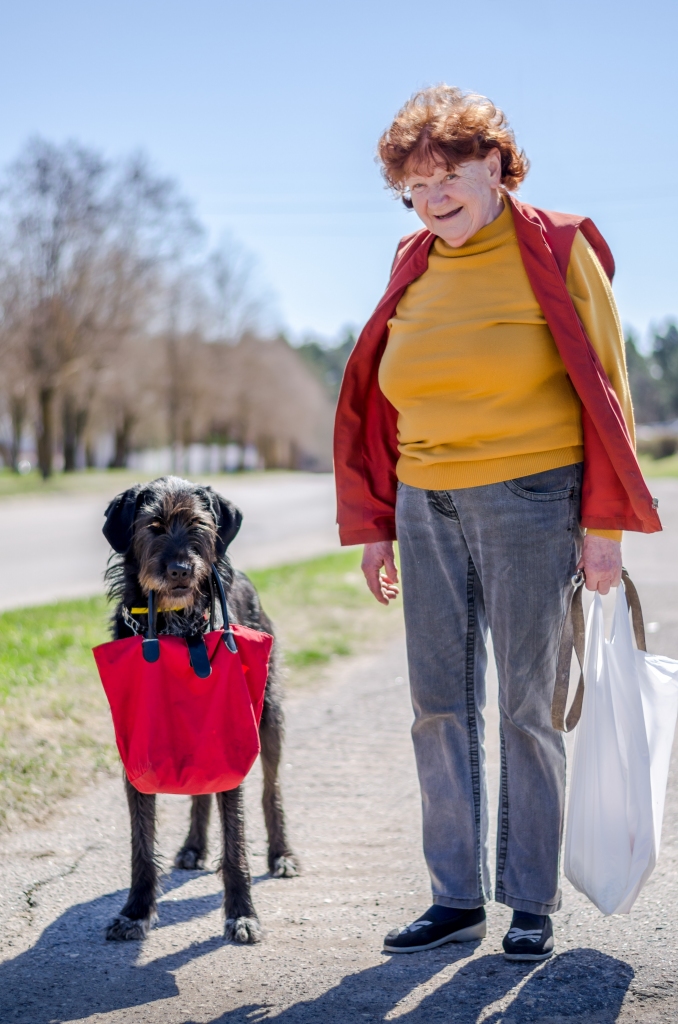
(407, 202)
(493, 164)
(120, 515)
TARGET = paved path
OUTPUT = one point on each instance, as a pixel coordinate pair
(52, 547)
(352, 801)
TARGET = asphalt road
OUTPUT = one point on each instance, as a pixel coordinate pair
(353, 805)
(52, 547)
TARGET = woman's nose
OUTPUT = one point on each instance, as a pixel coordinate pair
(437, 196)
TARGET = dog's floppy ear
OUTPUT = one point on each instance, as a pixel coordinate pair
(119, 526)
(227, 517)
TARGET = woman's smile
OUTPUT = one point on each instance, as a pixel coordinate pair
(448, 216)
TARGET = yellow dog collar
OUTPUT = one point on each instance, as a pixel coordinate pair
(144, 611)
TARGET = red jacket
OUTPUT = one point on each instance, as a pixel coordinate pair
(614, 494)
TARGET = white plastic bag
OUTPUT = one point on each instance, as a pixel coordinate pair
(621, 763)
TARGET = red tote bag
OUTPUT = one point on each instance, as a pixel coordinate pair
(186, 711)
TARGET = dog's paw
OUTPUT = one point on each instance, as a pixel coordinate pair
(286, 866)
(124, 929)
(245, 930)
(189, 860)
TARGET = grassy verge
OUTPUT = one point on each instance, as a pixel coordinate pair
(655, 468)
(97, 481)
(55, 729)
(111, 481)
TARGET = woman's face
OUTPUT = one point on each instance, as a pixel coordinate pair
(455, 204)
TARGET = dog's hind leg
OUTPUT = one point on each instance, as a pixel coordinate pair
(139, 913)
(282, 862)
(242, 923)
(192, 854)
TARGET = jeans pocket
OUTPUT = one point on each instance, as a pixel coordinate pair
(443, 504)
(551, 485)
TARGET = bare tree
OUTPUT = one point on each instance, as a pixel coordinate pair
(86, 239)
(112, 321)
(237, 306)
(57, 213)
(14, 394)
(263, 393)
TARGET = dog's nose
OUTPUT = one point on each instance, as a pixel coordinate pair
(179, 571)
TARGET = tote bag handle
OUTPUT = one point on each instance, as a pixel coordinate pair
(196, 644)
(573, 636)
(229, 639)
(197, 649)
(150, 647)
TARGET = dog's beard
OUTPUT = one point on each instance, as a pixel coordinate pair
(174, 597)
(169, 600)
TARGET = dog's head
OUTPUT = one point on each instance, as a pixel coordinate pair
(173, 530)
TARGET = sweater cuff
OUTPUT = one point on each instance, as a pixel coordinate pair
(607, 534)
(368, 535)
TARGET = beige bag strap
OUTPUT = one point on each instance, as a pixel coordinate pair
(633, 602)
(572, 636)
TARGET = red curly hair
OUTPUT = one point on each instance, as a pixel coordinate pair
(444, 126)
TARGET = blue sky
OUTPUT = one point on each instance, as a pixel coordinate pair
(268, 114)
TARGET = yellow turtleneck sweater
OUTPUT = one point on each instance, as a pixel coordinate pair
(472, 368)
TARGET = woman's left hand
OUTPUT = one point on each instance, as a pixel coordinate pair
(601, 561)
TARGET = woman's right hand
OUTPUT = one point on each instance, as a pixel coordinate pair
(376, 557)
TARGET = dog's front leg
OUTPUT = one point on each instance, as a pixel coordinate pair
(242, 923)
(139, 913)
(192, 853)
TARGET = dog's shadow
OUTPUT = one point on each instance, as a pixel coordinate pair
(72, 973)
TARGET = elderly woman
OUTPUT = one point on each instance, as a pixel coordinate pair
(485, 422)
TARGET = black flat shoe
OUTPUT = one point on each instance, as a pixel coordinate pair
(427, 933)
(530, 937)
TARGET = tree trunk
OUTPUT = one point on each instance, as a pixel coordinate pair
(70, 440)
(268, 450)
(18, 417)
(123, 437)
(46, 431)
(74, 423)
(81, 418)
(173, 399)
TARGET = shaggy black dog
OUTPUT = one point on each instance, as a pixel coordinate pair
(167, 535)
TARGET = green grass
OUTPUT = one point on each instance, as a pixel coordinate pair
(322, 608)
(655, 468)
(111, 481)
(40, 645)
(55, 729)
(91, 481)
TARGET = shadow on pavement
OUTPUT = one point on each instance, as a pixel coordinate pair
(581, 984)
(72, 973)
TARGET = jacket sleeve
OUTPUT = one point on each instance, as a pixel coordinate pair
(591, 293)
(366, 424)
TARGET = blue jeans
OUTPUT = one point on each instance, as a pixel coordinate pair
(498, 556)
